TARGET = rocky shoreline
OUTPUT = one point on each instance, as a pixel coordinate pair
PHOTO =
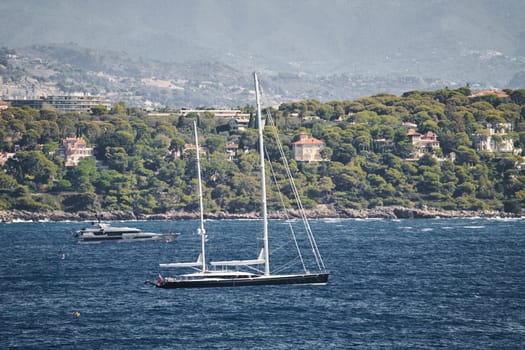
(380, 212)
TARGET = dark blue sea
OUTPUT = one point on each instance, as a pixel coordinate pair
(394, 284)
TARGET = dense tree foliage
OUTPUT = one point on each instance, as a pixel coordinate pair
(141, 166)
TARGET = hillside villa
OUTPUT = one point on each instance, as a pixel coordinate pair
(73, 150)
(307, 149)
(240, 122)
(422, 143)
(496, 139)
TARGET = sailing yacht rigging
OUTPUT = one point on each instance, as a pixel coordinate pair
(226, 276)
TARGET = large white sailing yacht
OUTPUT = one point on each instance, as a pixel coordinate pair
(234, 273)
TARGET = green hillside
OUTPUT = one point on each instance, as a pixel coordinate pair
(140, 165)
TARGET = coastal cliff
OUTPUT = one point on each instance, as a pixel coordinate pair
(323, 212)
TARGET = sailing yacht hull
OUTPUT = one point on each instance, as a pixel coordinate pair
(310, 278)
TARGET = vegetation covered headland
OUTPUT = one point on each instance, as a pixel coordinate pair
(443, 153)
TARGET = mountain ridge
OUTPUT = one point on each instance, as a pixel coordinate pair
(40, 70)
(373, 38)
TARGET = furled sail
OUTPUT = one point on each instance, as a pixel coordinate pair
(258, 261)
(184, 264)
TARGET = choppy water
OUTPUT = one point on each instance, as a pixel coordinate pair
(418, 284)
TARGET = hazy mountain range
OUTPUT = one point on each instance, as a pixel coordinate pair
(307, 49)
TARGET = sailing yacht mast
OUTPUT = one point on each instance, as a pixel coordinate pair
(263, 179)
(201, 231)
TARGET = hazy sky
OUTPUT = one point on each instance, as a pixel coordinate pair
(328, 36)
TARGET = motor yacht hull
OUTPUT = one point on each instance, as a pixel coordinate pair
(126, 238)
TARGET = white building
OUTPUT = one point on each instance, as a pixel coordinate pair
(495, 140)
